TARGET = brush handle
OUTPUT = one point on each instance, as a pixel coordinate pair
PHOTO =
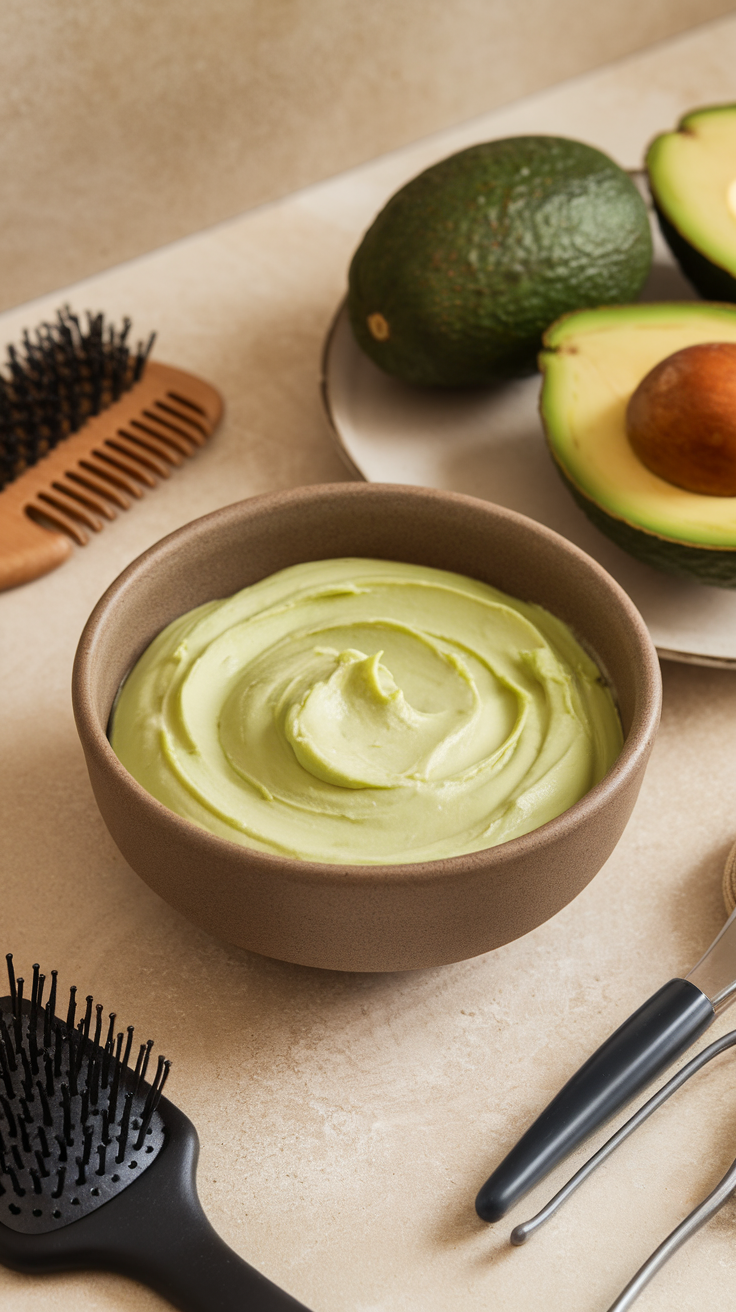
(155, 1231)
(171, 1247)
(643, 1046)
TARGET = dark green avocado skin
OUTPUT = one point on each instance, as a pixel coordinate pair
(710, 280)
(714, 567)
(474, 258)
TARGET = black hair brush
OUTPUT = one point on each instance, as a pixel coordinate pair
(98, 1169)
(85, 424)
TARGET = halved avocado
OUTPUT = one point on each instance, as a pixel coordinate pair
(692, 177)
(591, 363)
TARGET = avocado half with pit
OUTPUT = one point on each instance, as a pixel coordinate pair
(592, 362)
(692, 178)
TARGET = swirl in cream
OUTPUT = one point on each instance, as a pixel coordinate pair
(367, 711)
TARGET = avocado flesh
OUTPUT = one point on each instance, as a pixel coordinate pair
(592, 362)
(690, 173)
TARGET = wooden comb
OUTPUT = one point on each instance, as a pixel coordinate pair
(164, 418)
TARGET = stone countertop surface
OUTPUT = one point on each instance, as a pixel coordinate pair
(347, 1120)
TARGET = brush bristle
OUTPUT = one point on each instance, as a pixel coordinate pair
(78, 1122)
(57, 379)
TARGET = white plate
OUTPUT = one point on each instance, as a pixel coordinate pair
(488, 442)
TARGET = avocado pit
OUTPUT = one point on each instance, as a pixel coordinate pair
(681, 419)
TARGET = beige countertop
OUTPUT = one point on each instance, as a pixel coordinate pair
(347, 1121)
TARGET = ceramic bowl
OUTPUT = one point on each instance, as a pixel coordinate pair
(379, 917)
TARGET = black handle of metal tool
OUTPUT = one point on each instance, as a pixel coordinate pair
(643, 1046)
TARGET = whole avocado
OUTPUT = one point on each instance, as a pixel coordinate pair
(464, 268)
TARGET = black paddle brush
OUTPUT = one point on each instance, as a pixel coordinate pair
(98, 1169)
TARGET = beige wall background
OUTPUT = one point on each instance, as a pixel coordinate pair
(125, 124)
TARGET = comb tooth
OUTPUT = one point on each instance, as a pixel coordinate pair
(188, 402)
(34, 991)
(49, 1071)
(84, 498)
(9, 1117)
(11, 977)
(58, 1048)
(66, 1104)
(87, 1017)
(6, 1075)
(153, 445)
(139, 1063)
(127, 466)
(87, 1151)
(33, 1048)
(185, 426)
(128, 1046)
(49, 514)
(166, 433)
(7, 1041)
(124, 1128)
(19, 1192)
(47, 1018)
(109, 1046)
(140, 454)
(23, 1127)
(197, 420)
(116, 477)
(58, 1191)
(72, 1008)
(117, 1071)
(27, 1082)
(18, 1013)
(75, 1042)
(101, 1154)
(81, 1050)
(45, 1109)
(142, 1064)
(68, 506)
(109, 1041)
(98, 1024)
(154, 1094)
(94, 1081)
(106, 489)
(41, 1135)
(52, 996)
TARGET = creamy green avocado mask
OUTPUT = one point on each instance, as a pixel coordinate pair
(366, 711)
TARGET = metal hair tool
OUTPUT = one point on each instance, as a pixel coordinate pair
(692, 1223)
(645, 1045)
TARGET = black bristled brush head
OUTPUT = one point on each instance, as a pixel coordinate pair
(60, 376)
(97, 1170)
(78, 1121)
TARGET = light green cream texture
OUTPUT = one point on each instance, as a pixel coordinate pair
(367, 711)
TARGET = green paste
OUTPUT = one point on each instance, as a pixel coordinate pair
(367, 711)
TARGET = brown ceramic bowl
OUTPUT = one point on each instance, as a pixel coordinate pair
(367, 918)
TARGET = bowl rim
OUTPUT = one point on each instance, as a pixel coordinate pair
(637, 741)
